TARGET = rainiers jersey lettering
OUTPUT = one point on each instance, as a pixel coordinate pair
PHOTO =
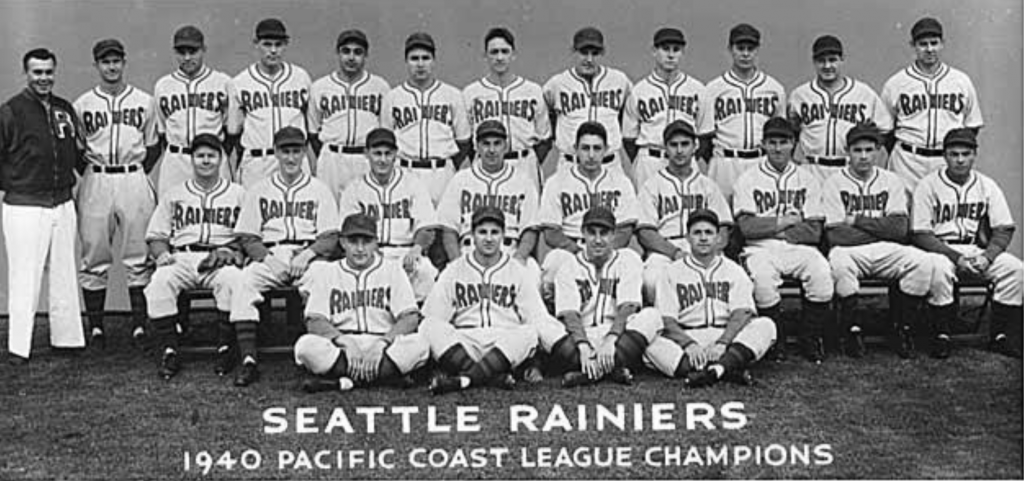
(519, 106)
(700, 296)
(276, 211)
(189, 106)
(656, 102)
(427, 123)
(569, 194)
(954, 211)
(666, 202)
(260, 105)
(117, 128)
(764, 192)
(343, 112)
(880, 195)
(575, 100)
(469, 295)
(401, 207)
(189, 215)
(597, 293)
(509, 190)
(738, 109)
(367, 300)
(925, 107)
(825, 117)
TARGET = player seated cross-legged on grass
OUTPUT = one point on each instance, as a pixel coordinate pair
(603, 332)
(778, 210)
(962, 214)
(286, 220)
(480, 319)
(191, 236)
(706, 301)
(361, 317)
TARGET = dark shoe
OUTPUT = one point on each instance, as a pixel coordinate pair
(319, 384)
(777, 353)
(743, 378)
(575, 379)
(1003, 346)
(16, 360)
(703, 378)
(532, 375)
(249, 374)
(621, 375)
(814, 349)
(942, 348)
(169, 365)
(906, 348)
(855, 347)
(402, 382)
(443, 384)
(140, 340)
(227, 359)
(505, 381)
(98, 339)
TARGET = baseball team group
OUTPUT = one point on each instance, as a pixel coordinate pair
(420, 228)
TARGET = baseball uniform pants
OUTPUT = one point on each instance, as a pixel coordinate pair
(1006, 273)
(423, 275)
(33, 235)
(822, 172)
(257, 278)
(912, 167)
(318, 353)
(108, 203)
(435, 178)
(647, 322)
(725, 171)
(768, 265)
(169, 281)
(176, 168)
(516, 342)
(655, 265)
(664, 355)
(253, 169)
(338, 169)
(553, 261)
(648, 162)
(887, 260)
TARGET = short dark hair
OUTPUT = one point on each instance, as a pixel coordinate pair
(502, 33)
(40, 53)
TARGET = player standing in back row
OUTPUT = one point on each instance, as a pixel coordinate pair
(927, 99)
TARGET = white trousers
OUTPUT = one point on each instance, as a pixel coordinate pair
(257, 278)
(887, 260)
(725, 171)
(1006, 273)
(647, 322)
(517, 342)
(912, 167)
(664, 354)
(169, 281)
(318, 354)
(109, 205)
(338, 169)
(768, 265)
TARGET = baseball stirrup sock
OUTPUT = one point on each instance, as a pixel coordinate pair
(565, 355)
(491, 365)
(456, 360)
(225, 331)
(387, 368)
(736, 357)
(165, 332)
(245, 332)
(1001, 319)
(137, 299)
(95, 301)
(340, 367)
(629, 349)
(683, 367)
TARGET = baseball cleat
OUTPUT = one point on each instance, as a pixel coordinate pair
(906, 348)
(621, 375)
(139, 339)
(814, 349)
(777, 353)
(575, 378)
(532, 375)
(741, 377)
(249, 374)
(98, 339)
(226, 360)
(1002, 345)
(504, 381)
(941, 348)
(855, 347)
(702, 378)
(322, 384)
(169, 365)
(442, 384)
(401, 382)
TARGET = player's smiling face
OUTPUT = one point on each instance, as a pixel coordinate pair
(928, 50)
(359, 250)
(190, 59)
(206, 162)
(421, 65)
(827, 67)
(703, 237)
(352, 58)
(488, 238)
(588, 61)
(499, 54)
(598, 241)
(959, 160)
(667, 56)
(382, 160)
(39, 74)
(271, 51)
(289, 159)
(590, 152)
(862, 157)
(111, 68)
(680, 151)
(779, 149)
(744, 55)
(492, 152)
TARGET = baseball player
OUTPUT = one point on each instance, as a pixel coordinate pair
(428, 118)
(266, 97)
(867, 225)
(571, 192)
(926, 100)
(587, 92)
(778, 211)
(737, 104)
(710, 331)
(962, 214)
(286, 220)
(361, 317)
(603, 332)
(116, 196)
(479, 319)
(668, 199)
(491, 181)
(191, 236)
(514, 101)
(190, 101)
(400, 205)
(825, 108)
(666, 95)
(343, 107)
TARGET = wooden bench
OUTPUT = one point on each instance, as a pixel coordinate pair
(292, 301)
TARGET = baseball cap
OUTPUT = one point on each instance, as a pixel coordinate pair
(420, 40)
(491, 128)
(926, 27)
(591, 127)
(669, 35)
(702, 215)
(379, 136)
(744, 32)
(599, 217)
(678, 127)
(355, 36)
(863, 131)
(359, 224)
(271, 28)
(778, 127)
(107, 46)
(207, 140)
(825, 45)
(502, 33)
(189, 36)
(960, 137)
(488, 213)
(289, 136)
(588, 37)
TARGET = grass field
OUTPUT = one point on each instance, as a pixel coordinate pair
(106, 415)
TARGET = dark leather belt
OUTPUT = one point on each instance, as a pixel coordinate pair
(921, 150)
(508, 241)
(961, 242)
(742, 154)
(260, 153)
(606, 160)
(271, 245)
(826, 161)
(431, 163)
(394, 245)
(518, 154)
(656, 153)
(116, 169)
(196, 248)
(177, 149)
(346, 149)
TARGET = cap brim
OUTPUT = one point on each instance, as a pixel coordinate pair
(357, 232)
(828, 51)
(273, 36)
(188, 43)
(747, 39)
(856, 138)
(108, 51)
(675, 132)
(382, 142)
(491, 133)
(589, 44)
(598, 224)
(289, 143)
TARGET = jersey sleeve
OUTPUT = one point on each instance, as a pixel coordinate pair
(718, 204)
(403, 299)
(315, 287)
(889, 102)
(531, 307)
(630, 208)
(159, 121)
(235, 116)
(551, 94)
(999, 214)
(880, 114)
(665, 299)
(647, 203)
(632, 278)
(440, 305)
(529, 208)
(898, 202)
(832, 203)
(972, 119)
(813, 208)
(327, 215)
(701, 117)
(249, 221)
(743, 295)
(422, 210)
(550, 213)
(160, 222)
(631, 118)
(567, 294)
(461, 126)
(921, 214)
(542, 120)
(448, 213)
(348, 204)
(386, 120)
(313, 113)
(743, 196)
(707, 105)
(149, 134)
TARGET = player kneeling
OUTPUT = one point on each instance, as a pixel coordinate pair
(191, 236)
(707, 303)
(361, 316)
(479, 319)
(597, 297)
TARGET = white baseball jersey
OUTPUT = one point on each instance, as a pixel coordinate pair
(188, 215)
(358, 301)
(575, 100)
(764, 192)
(701, 296)
(342, 113)
(666, 202)
(401, 207)
(569, 194)
(427, 123)
(597, 293)
(520, 107)
(882, 194)
(277, 212)
(825, 117)
(117, 127)
(259, 105)
(508, 189)
(470, 295)
(924, 108)
(953, 211)
(186, 107)
(736, 110)
(656, 102)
